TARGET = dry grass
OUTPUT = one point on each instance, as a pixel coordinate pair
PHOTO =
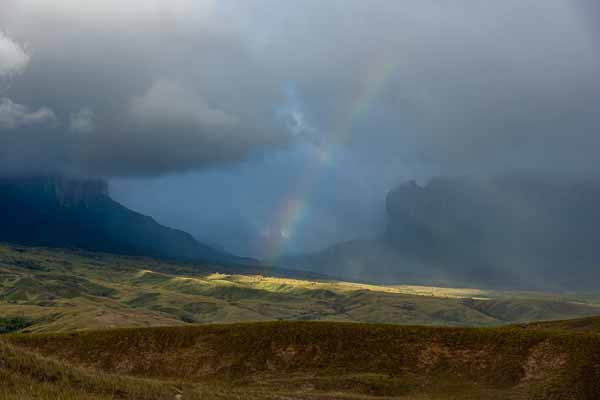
(308, 360)
(84, 295)
(63, 290)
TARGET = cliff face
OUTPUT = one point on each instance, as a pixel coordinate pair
(59, 212)
(64, 192)
(520, 228)
(522, 232)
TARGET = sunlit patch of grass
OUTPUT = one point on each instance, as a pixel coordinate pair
(69, 290)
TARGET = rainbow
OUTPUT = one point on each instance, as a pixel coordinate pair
(294, 208)
(290, 215)
(376, 77)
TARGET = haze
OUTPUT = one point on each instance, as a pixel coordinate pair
(273, 127)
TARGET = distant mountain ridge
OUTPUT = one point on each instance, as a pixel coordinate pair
(61, 212)
(506, 231)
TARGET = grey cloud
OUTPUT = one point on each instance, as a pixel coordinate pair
(13, 57)
(167, 104)
(82, 121)
(449, 89)
(392, 89)
(172, 88)
(14, 116)
(424, 86)
(13, 61)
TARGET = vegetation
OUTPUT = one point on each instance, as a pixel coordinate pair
(302, 360)
(50, 290)
(13, 324)
(26, 375)
(584, 325)
(57, 308)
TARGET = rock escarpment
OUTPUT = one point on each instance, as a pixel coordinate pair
(59, 212)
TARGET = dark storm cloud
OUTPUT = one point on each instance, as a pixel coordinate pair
(456, 89)
(145, 88)
(137, 90)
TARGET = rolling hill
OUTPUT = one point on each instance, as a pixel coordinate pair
(302, 360)
(49, 290)
(86, 325)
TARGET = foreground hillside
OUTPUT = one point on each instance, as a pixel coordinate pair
(302, 360)
(60, 290)
(580, 325)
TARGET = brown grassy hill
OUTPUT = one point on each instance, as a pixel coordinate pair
(584, 325)
(86, 295)
(303, 360)
(27, 375)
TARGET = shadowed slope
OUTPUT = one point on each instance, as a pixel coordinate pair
(301, 360)
(57, 212)
(506, 232)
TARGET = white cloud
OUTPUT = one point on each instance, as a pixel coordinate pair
(13, 57)
(13, 60)
(166, 103)
(83, 121)
(13, 116)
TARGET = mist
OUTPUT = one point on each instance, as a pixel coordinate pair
(273, 128)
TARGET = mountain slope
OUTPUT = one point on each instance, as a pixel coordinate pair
(519, 232)
(80, 214)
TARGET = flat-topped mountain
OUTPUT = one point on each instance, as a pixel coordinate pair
(59, 212)
(526, 232)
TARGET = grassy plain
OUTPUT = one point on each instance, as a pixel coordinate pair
(50, 290)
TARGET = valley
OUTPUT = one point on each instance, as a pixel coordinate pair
(299, 200)
(83, 325)
(54, 290)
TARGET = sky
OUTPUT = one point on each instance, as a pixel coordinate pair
(273, 127)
